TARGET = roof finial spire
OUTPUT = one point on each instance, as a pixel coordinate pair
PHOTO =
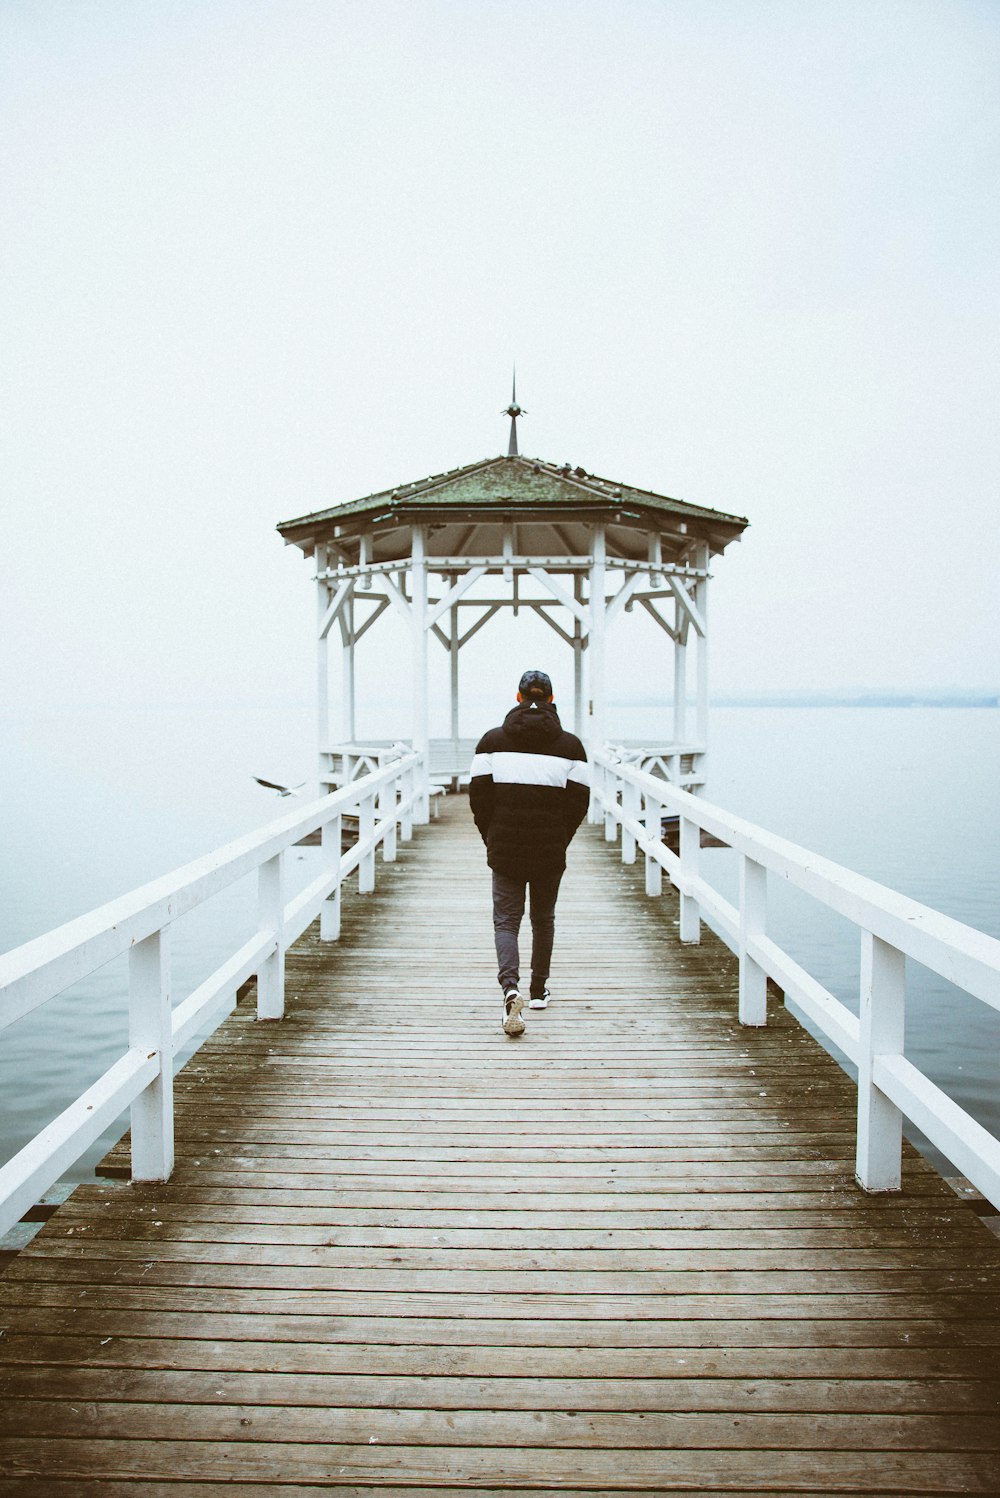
(513, 411)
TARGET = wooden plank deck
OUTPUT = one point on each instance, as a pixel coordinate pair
(402, 1253)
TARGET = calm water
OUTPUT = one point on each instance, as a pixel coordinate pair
(103, 802)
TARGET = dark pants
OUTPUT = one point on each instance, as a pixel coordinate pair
(508, 908)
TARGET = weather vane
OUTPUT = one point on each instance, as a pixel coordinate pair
(513, 411)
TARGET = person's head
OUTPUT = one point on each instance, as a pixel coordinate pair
(534, 686)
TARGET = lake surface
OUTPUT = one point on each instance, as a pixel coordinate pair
(103, 800)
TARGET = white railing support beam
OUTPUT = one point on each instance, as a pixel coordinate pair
(753, 924)
(654, 869)
(883, 1010)
(150, 1030)
(329, 915)
(271, 911)
(366, 841)
(690, 847)
(631, 801)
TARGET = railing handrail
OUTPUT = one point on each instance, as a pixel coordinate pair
(36, 971)
(140, 923)
(892, 927)
(927, 935)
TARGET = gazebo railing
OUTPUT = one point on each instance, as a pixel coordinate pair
(891, 928)
(139, 924)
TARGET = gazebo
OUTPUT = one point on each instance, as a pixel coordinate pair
(450, 551)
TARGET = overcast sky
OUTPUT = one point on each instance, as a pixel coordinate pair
(262, 257)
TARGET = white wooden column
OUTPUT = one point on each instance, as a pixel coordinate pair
(880, 1123)
(349, 691)
(680, 682)
(150, 1029)
(577, 660)
(322, 669)
(595, 647)
(418, 615)
(454, 645)
(701, 601)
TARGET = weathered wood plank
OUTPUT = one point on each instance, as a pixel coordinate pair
(401, 1253)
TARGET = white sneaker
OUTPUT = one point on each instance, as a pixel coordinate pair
(542, 1002)
(513, 1024)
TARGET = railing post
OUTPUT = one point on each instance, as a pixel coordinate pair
(149, 1029)
(329, 915)
(690, 846)
(630, 808)
(406, 817)
(387, 809)
(611, 788)
(271, 909)
(366, 831)
(753, 922)
(883, 1008)
(597, 780)
(652, 820)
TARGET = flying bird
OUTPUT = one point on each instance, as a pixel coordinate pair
(283, 790)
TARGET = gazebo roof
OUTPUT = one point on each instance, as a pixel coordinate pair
(512, 488)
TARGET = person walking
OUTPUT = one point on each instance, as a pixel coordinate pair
(529, 792)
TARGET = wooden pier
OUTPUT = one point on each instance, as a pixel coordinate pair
(401, 1253)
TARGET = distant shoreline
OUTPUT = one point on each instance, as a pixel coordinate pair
(862, 699)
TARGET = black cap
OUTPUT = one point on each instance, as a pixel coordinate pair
(535, 684)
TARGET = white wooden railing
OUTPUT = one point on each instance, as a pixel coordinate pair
(891, 926)
(139, 923)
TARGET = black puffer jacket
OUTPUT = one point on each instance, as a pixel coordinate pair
(529, 791)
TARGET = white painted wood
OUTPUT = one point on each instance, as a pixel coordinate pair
(335, 608)
(322, 664)
(891, 925)
(209, 998)
(686, 602)
(680, 689)
(454, 646)
(329, 911)
(577, 643)
(973, 1150)
(454, 593)
(517, 562)
(753, 921)
(622, 598)
(596, 640)
(475, 628)
(387, 817)
(966, 957)
(271, 914)
(654, 612)
(366, 842)
(381, 602)
(655, 554)
(397, 597)
(26, 1177)
(701, 605)
(418, 578)
(690, 846)
(150, 1029)
(408, 793)
(39, 969)
(883, 1009)
(563, 595)
(818, 1004)
(542, 608)
(654, 870)
(348, 690)
(631, 801)
(139, 924)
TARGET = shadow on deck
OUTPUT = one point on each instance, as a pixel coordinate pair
(401, 1253)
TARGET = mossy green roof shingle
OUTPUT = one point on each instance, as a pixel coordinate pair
(518, 483)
